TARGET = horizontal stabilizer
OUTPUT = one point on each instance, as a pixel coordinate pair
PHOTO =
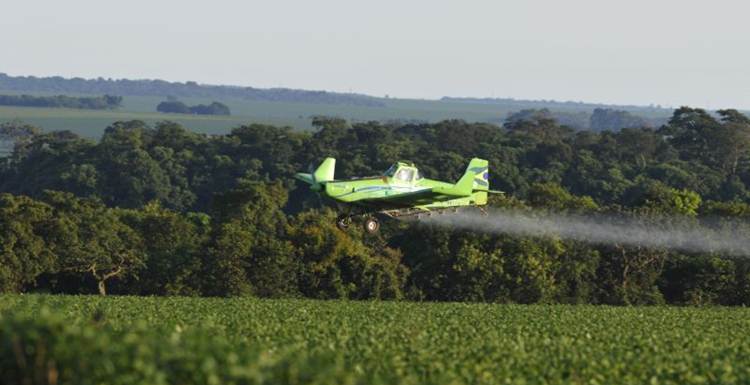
(307, 178)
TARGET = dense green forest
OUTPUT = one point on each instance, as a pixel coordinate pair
(161, 210)
(106, 102)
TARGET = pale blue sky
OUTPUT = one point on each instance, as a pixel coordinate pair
(665, 52)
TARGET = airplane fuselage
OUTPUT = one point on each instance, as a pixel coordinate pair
(367, 192)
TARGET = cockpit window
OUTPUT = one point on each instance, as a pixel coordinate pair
(419, 175)
(405, 174)
(390, 171)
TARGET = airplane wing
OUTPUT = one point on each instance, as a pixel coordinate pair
(424, 196)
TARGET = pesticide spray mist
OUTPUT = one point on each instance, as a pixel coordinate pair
(684, 234)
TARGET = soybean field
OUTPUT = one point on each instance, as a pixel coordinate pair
(148, 340)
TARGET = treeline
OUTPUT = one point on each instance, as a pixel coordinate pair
(553, 104)
(106, 102)
(580, 115)
(187, 89)
(178, 107)
(244, 245)
(160, 210)
(601, 119)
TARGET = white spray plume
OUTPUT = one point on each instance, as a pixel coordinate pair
(685, 234)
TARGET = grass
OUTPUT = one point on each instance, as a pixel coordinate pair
(435, 342)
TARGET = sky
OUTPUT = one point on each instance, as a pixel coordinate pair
(662, 52)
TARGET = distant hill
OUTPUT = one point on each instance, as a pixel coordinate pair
(163, 88)
(148, 87)
(293, 107)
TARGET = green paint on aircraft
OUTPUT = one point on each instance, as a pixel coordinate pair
(401, 191)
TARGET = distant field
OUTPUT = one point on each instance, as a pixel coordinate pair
(298, 115)
(91, 124)
(361, 342)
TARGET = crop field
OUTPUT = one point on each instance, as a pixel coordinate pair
(251, 341)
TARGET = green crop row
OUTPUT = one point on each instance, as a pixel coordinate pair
(131, 340)
(47, 350)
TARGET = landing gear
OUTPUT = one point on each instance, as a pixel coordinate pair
(372, 225)
(343, 222)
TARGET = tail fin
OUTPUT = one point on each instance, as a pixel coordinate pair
(324, 172)
(477, 176)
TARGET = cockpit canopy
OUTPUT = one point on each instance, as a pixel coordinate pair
(404, 172)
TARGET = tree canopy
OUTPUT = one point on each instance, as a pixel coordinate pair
(106, 102)
(178, 107)
(162, 210)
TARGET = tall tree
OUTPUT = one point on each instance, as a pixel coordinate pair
(173, 244)
(90, 239)
(248, 253)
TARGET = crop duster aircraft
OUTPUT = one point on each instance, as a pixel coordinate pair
(400, 192)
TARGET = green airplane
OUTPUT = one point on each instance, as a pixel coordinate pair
(401, 192)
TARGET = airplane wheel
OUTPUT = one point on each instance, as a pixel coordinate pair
(342, 222)
(371, 225)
